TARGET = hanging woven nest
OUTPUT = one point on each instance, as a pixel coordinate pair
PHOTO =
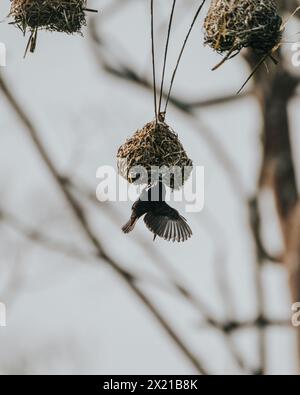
(231, 25)
(67, 16)
(154, 152)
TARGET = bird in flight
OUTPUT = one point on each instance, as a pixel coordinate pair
(160, 218)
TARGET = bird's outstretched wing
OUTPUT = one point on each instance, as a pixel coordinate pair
(175, 229)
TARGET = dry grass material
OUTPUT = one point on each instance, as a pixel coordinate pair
(231, 25)
(157, 149)
(67, 16)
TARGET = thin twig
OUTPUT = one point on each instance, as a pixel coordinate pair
(37, 236)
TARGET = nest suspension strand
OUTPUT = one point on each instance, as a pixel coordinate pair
(231, 25)
(67, 16)
(157, 150)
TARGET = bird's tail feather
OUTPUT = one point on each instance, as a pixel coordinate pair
(167, 228)
(129, 226)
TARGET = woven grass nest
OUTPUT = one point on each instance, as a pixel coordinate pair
(67, 16)
(157, 150)
(231, 25)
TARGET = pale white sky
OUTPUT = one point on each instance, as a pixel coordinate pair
(74, 316)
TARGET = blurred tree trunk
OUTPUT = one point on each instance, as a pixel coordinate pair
(278, 170)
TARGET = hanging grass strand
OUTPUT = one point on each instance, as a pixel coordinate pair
(181, 53)
(166, 55)
(153, 60)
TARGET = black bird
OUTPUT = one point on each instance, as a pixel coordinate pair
(161, 219)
